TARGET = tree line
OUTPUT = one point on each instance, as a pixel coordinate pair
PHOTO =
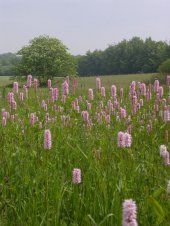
(126, 57)
(47, 57)
(8, 61)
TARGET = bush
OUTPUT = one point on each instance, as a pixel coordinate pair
(164, 68)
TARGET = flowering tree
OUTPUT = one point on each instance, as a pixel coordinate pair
(45, 58)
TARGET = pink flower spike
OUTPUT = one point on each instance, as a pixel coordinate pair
(113, 91)
(49, 83)
(29, 80)
(65, 87)
(4, 121)
(2, 111)
(98, 83)
(90, 93)
(156, 85)
(32, 119)
(47, 140)
(15, 87)
(85, 115)
(76, 176)
(35, 84)
(129, 213)
(165, 154)
(168, 80)
(128, 139)
(120, 140)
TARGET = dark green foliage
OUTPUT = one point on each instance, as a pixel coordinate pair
(45, 58)
(164, 67)
(7, 63)
(126, 57)
(163, 71)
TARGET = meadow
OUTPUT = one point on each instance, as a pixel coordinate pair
(88, 151)
(86, 82)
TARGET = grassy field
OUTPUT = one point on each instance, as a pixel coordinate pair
(107, 81)
(118, 80)
(114, 140)
(4, 80)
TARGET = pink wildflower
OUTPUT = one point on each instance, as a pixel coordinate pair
(107, 118)
(129, 213)
(14, 105)
(161, 91)
(47, 140)
(168, 80)
(15, 87)
(76, 176)
(49, 83)
(156, 85)
(167, 116)
(103, 92)
(132, 88)
(88, 106)
(10, 98)
(2, 111)
(122, 113)
(120, 140)
(35, 84)
(63, 99)
(143, 89)
(3, 121)
(65, 88)
(124, 140)
(113, 91)
(29, 80)
(85, 115)
(45, 107)
(32, 119)
(55, 94)
(141, 102)
(77, 109)
(25, 91)
(98, 83)
(90, 93)
(165, 154)
(21, 96)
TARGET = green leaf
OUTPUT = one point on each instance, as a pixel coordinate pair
(157, 210)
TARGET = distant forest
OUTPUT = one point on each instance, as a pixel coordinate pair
(7, 63)
(126, 57)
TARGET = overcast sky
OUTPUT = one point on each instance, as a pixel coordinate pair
(82, 24)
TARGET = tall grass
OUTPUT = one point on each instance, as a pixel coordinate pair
(36, 185)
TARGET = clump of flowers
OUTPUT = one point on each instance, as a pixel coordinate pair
(129, 213)
(124, 140)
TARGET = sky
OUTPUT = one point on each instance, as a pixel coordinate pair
(82, 25)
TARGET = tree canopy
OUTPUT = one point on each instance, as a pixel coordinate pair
(128, 56)
(45, 57)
